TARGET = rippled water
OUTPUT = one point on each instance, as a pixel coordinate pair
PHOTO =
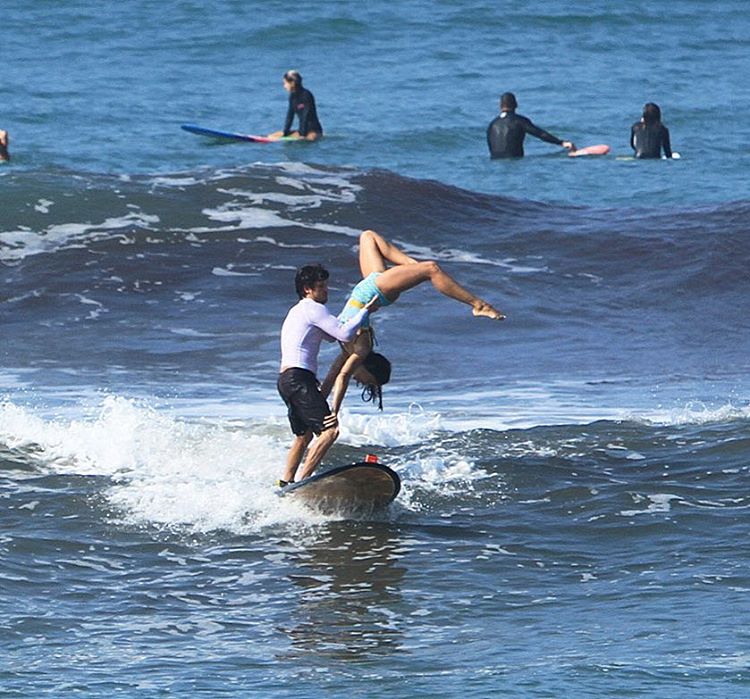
(573, 518)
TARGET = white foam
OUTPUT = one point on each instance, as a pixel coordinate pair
(43, 206)
(693, 413)
(389, 430)
(455, 255)
(656, 503)
(247, 217)
(228, 271)
(20, 244)
(162, 470)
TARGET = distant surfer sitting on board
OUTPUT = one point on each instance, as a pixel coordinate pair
(305, 326)
(387, 283)
(4, 138)
(506, 133)
(301, 103)
(649, 136)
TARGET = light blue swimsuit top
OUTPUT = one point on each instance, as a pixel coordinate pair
(360, 295)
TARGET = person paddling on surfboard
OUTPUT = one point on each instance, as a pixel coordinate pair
(306, 325)
(506, 133)
(387, 284)
(301, 103)
(649, 136)
(4, 139)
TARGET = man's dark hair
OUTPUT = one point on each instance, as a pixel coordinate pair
(508, 102)
(308, 276)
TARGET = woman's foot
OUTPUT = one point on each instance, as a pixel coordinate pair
(482, 308)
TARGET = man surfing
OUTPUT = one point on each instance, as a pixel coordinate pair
(306, 325)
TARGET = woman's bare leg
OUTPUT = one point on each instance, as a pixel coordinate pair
(375, 251)
(396, 280)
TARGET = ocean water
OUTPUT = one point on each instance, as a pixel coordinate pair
(574, 514)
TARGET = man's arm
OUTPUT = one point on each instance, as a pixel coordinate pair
(330, 325)
(534, 130)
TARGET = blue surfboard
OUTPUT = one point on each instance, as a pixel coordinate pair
(362, 487)
(231, 135)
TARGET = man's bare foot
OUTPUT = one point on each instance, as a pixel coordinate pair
(482, 308)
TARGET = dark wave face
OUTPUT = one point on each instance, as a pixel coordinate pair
(579, 466)
(119, 283)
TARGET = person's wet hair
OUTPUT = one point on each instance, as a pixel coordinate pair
(651, 113)
(508, 101)
(380, 369)
(308, 276)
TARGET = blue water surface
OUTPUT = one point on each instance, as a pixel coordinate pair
(407, 86)
(573, 519)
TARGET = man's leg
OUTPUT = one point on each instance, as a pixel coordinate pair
(318, 450)
(294, 456)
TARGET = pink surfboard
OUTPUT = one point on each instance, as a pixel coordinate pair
(601, 149)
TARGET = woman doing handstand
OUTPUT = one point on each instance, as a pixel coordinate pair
(387, 283)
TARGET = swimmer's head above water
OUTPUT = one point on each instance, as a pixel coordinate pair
(508, 102)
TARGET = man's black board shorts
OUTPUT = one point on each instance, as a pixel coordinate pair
(306, 406)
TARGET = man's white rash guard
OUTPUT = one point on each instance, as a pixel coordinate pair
(306, 325)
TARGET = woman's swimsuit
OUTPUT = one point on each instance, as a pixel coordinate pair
(359, 297)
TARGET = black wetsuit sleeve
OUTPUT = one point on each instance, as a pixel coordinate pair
(632, 136)
(665, 142)
(534, 130)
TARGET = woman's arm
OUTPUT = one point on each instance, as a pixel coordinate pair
(289, 117)
(353, 361)
(666, 143)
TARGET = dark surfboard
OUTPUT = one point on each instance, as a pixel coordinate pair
(360, 488)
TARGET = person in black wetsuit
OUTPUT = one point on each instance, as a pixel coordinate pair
(506, 133)
(649, 136)
(4, 139)
(301, 103)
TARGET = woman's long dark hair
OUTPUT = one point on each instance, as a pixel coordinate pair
(651, 113)
(380, 368)
(292, 76)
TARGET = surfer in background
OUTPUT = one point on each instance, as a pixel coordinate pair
(649, 136)
(4, 139)
(301, 103)
(387, 284)
(305, 326)
(506, 133)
